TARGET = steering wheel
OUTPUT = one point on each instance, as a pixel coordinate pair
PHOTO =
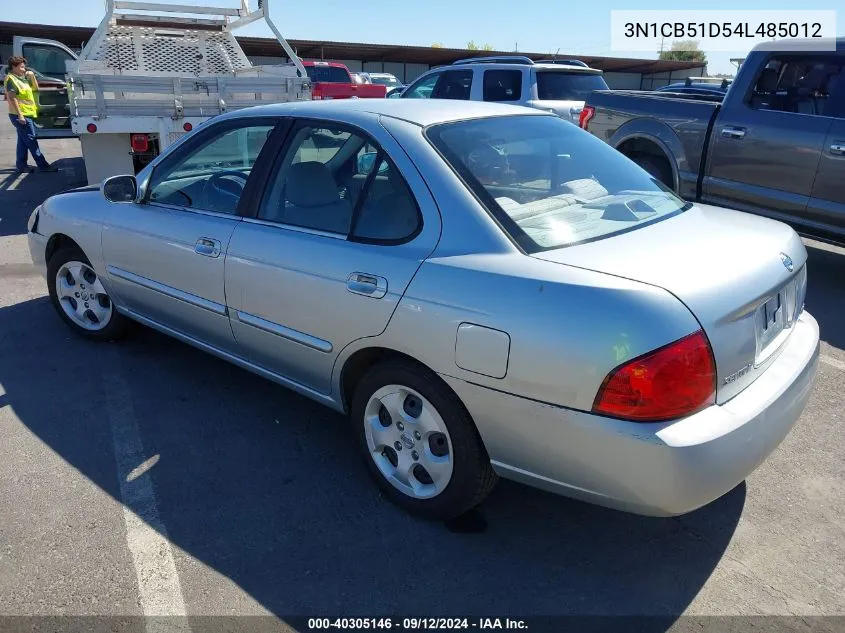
(223, 191)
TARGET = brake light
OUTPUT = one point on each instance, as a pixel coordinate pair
(587, 113)
(317, 92)
(91, 128)
(670, 382)
(140, 143)
(187, 126)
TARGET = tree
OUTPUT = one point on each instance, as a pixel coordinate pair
(472, 46)
(684, 51)
(487, 47)
(437, 45)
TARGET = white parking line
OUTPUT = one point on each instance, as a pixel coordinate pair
(833, 362)
(158, 582)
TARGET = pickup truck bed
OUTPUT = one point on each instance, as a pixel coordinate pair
(775, 145)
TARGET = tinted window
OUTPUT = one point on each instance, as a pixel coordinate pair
(453, 84)
(317, 184)
(48, 59)
(502, 85)
(563, 86)
(550, 183)
(423, 88)
(328, 74)
(800, 84)
(388, 211)
(212, 176)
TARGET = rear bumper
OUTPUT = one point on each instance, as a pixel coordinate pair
(660, 469)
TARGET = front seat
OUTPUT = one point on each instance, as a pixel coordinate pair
(312, 199)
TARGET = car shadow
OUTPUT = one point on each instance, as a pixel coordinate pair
(20, 193)
(266, 488)
(826, 293)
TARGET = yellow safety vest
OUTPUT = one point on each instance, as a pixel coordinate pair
(25, 96)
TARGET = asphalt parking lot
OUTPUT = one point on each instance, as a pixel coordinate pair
(150, 478)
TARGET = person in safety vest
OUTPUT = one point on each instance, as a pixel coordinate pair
(21, 86)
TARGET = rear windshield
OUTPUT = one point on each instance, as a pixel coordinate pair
(548, 182)
(562, 86)
(328, 74)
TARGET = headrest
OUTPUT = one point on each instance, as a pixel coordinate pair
(310, 184)
(768, 81)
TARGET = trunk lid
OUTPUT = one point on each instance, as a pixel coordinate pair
(731, 269)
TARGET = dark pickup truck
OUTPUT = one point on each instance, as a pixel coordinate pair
(774, 145)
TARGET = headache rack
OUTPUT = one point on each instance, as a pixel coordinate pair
(149, 62)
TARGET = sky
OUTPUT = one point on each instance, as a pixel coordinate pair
(545, 26)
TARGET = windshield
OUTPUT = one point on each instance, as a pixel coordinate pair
(549, 183)
(328, 74)
(567, 86)
(389, 81)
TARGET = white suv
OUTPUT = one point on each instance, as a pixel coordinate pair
(560, 86)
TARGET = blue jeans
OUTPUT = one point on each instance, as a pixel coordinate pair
(27, 143)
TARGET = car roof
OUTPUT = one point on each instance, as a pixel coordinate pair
(420, 112)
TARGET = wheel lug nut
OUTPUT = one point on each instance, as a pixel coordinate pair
(400, 426)
(86, 304)
(418, 435)
(415, 455)
(397, 445)
(76, 294)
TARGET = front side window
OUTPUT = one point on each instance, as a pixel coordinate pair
(453, 84)
(502, 85)
(211, 177)
(556, 85)
(549, 183)
(423, 88)
(50, 60)
(338, 181)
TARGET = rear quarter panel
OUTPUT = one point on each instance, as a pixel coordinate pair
(677, 126)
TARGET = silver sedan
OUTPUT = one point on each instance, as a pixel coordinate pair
(486, 290)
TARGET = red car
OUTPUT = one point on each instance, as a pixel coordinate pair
(332, 80)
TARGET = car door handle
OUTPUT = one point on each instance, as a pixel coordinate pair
(367, 285)
(838, 149)
(733, 132)
(207, 247)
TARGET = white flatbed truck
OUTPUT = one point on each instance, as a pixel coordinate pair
(148, 77)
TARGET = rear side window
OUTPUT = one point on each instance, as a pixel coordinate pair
(567, 86)
(328, 74)
(800, 84)
(453, 84)
(502, 85)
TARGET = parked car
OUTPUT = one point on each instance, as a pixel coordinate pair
(559, 86)
(332, 80)
(698, 86)
(395, 93)
(773, 145)
(386, 79)
(361, 78)
(484, 289)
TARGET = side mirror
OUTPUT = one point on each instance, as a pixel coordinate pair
(367, 161)
(120, 189)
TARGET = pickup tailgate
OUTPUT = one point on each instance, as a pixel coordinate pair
(732, 270)
(330, 90)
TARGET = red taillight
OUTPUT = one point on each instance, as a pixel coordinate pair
(91, 128)
(317, 93)
(140, 143)
(668, 383)
(587, 113)
(187, 126)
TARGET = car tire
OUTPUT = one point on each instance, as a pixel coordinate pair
(426, 419)
(656, 167)
(81, 299)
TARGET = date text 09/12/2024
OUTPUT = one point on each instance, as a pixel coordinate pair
(416, 624)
